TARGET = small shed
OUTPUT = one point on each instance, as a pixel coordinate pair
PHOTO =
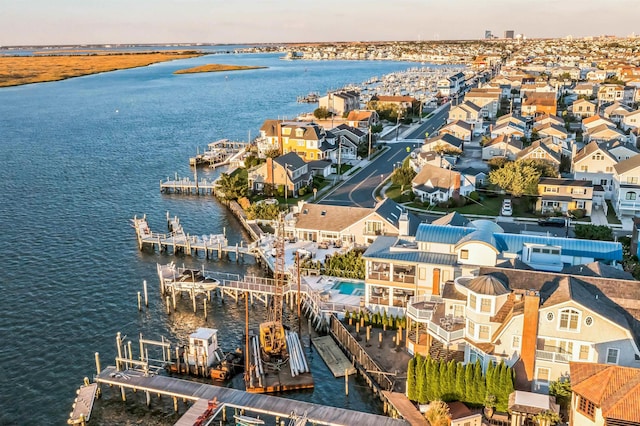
(524, 406)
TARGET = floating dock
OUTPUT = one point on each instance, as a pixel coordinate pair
(232, 398)
(333, 356)
(83, 405)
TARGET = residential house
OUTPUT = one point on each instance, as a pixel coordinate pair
(308, 140)
(288, 170)
(346, 149)
(595, 121)
(608, 93)
(604, 394)
(451, 85)
(401, 103)
(435, 184)
(419, 159)
(558, 133)
(564, 195)
(487, 99)
(548, 119)
(354, 134)
(595, 163)
(508, 128)
(513, 119)
(597, 75)
(586, 89)
(631, 121)
(537, 103)
(357, 225)
(604, 133)
(443, 142)
(469, 113)
(583, 109)
(459, 129)
(616, 112)
(341, 102)
(363, 119)
(502, 146)
(471, 178)
(542, 149)
(626, 187)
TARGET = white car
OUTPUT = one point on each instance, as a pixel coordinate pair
(506, 208)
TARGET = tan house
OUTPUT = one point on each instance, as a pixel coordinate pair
(502, 146)
(435, 184)
(363, 119)
(443, 142)
(595, 121)
(460, 129)
(604, 394)
(583, 109)
(401, 103)
(542, 149)
(508, 128)
(358, 225)
(537, 103)
(469, 113)
(564, 195)
(631, 121)
(286, 171)
(487, 99)
(548, 119)
(603, 133)
(558, 133)
(340, 103)
(616, 112)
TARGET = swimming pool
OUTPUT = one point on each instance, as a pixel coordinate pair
(349, 288)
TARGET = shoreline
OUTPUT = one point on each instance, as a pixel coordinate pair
(217, 68)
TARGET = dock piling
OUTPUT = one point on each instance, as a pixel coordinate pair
(146, 295)
(139, 302)
(98, 369)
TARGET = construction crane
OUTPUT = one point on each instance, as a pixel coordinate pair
(272, 334)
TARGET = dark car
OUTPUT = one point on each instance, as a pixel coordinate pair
(552, 221)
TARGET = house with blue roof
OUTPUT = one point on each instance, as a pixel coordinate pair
(402, 267)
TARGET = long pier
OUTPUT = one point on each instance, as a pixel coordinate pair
(187, 186)
(237, 399)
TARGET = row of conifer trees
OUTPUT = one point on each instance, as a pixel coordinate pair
(429, 380)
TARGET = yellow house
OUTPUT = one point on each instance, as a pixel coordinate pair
(564, 195)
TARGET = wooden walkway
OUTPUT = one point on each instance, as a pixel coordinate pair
(177, 241)
(198, 411)
(333, 356)
(83, 405)
(227, 397)
(405, 408)
(186, 186)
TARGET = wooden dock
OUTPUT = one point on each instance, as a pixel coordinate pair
(83, 405)
(333, 356)
(198, 413)
(400, 405)
(177, 240)
(219, 153)
(232, 398)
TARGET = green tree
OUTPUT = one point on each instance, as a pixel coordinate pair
(438, 413)
(231, 187)
(479, 385)
(469, 382)
(411, 380)
(460, 384)
(561, 389)
(489, 377)
(263, 211)
(517, 178)
(376, 128)
(547, 418)
(497, 162)
(593, 232)
(506, 387)
(321, 113)
(403, 176)
(422, 379)
(543, 166)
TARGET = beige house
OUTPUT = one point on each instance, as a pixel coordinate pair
(487, 99)
(595, 121)
(340, 103)
(469, 113)
(460, 129)
(542, 149)
(344, 224)
(564, 195)
(583, 109)
(363, 119)
(631, 120)
(502, 146)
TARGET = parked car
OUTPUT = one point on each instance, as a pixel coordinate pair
(506, 209)
(559, 222)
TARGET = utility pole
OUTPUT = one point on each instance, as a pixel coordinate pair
(339, 155)
(369, 156)
(286, 181)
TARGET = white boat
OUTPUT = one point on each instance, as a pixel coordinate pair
(248, 421)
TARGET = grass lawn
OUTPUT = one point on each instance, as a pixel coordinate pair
(488, 207)
(611, 214)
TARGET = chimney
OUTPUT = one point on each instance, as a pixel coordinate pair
(269, 180)
(435, 285)
(530, 332)
(403, 224)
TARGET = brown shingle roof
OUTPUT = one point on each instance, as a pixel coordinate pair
(330, 218)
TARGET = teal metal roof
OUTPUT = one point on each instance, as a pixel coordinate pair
(443, 234)
(599, 250)
(381, 249)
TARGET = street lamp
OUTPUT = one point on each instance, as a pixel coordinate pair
(286, 181)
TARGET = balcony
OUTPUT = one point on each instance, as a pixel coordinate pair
(404, 278)
(379, 275)
(421, 308)
(553, 356)
(629, 205)
(455, 332)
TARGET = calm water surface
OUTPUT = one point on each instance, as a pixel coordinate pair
(80, 158)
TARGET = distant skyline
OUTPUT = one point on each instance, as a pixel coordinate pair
(46, 22)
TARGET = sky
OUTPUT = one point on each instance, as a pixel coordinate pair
(55, 22)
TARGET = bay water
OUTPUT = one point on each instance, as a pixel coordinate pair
(81, 157)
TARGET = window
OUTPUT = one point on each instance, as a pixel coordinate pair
(580, 204)
(472, 301)
(485, 305)
(464, 254)
(550, 316)
(630, 196)
(471, 328)
(604, 182)
(632, 179)
(588, 321)
(584, 353)
(609, 169)
(569, 319)
(515, 344)
(458, 311)
(597, 156)
(612, 355)
(484, 332)
(543, 375)
(584, 168)
(550, 189)
(586, 407)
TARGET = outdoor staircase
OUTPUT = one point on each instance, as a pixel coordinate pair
(437, 351)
